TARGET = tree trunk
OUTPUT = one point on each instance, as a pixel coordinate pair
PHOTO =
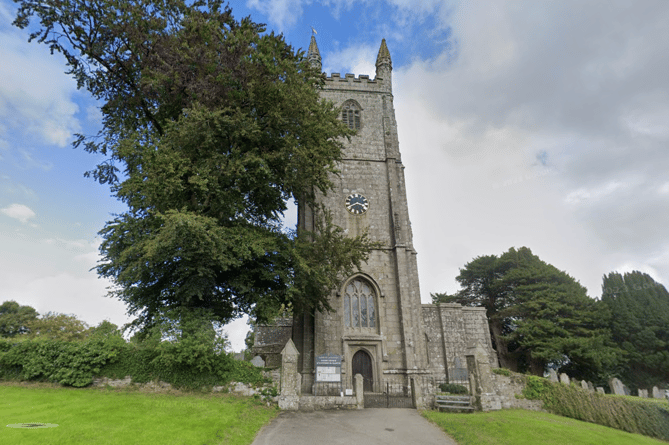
(506, 360)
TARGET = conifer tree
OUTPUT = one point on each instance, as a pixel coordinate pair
(639, 324)
(210, 126)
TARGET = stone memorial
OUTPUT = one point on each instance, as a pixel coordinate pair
(564, 379)
(552, 376)
(617, 387)
(600, 390)
(258, 362)
(657, 394)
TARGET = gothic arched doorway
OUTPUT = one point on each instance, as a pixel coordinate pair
(362, 364)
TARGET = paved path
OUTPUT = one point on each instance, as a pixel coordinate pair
(371, 426)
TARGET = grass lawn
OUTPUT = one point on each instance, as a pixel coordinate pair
(520, 427)
(125, 417)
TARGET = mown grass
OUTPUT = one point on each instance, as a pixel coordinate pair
(520, 427)
(100, 417)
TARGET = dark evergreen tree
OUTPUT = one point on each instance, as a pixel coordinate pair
(538, 315)
(210, 125)
(639, 325)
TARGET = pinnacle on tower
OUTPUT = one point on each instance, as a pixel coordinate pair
(313, 55)
(384, 56)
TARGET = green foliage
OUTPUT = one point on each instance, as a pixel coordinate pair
(639, 324)
(502, 371)
(452, 388)
(631, 414)
(71, 363)
(522, 427)
(15, 319)
(214, 124)
(54, 326)
(536, 388)
(538, 315)
(189, 356)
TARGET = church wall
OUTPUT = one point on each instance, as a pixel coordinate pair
(450, 330)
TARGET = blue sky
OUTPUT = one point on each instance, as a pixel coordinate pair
(521, 123)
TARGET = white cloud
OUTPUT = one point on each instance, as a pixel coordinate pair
(35, 94)
(354, 59)
(282, 13)
(594, 194)
(19, 211)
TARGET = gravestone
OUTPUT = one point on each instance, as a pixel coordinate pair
(552, 376)
(600, 390)
(617, 387)
(564, 379)
(591, 387)
(258, 362)
(656, 393)
(643, 393)
(584, 385)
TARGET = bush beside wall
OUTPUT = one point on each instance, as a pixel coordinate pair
(76, 363)
(634, 415)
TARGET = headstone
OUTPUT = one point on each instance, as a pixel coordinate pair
(591, 387)
(600, 390)
(258, 362)
(584, 385)
(656, 393)
(643, 393)
(552, 376)
(617, 387)
(564, 379)
(627, 390)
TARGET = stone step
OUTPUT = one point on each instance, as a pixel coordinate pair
(453, 403)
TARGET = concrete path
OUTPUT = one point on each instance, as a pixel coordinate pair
(369, 426)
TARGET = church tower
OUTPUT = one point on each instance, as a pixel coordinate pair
(375, 325)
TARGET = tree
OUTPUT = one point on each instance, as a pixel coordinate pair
(55, 326)
(16, 319)
(209, 126)
(640, 326)
(538, 314)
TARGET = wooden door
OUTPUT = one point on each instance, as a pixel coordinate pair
(362, 364)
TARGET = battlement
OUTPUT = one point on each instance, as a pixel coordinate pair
(336, 77)
(351, 81)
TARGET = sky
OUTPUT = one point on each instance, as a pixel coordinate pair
(521, 123)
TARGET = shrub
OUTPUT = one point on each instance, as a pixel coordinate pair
(452, 388)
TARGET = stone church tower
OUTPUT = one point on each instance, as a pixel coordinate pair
(376, 324)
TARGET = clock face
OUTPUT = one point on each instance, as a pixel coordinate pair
(357, 204)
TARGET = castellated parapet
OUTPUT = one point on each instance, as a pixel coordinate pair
(357, 83)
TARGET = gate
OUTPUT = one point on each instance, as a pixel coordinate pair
(394, 395)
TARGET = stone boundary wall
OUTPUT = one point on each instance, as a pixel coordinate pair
(236, 388)
(504, 395)
(317, 403)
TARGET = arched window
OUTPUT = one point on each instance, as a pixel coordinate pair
(359, 305)
(350, 114)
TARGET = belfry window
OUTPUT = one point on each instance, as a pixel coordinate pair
(350, 114)
(359, 305)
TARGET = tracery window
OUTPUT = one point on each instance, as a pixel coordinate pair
(359, 305)
(350, 114)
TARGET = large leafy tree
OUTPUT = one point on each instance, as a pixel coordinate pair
(16, 319)
(538, 314)
(640, 326)
(210, 125)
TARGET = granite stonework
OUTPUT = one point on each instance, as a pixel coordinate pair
(406, 339)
